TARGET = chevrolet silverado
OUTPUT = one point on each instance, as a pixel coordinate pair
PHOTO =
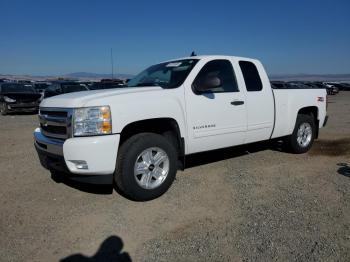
(136, 136)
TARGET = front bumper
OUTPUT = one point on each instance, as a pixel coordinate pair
(54, 162)
(99, 153)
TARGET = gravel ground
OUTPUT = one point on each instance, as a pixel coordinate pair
(251, 203)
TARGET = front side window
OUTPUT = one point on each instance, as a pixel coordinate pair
(218, 69)
(251, 76)
(166, 75)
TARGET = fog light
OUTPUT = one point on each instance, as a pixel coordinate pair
(80, 164)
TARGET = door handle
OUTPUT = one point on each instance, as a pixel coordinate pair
(237, 103)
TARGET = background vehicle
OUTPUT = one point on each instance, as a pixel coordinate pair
(280, 85)
(333, 89)
(15, 97)
(106, 85)
(27, 82)
(340, 86)
(345, 87)
(321, 85)
(63, 87)
(300, 84)
(40, 87)
(139, 135)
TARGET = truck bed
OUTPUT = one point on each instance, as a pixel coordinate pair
(286, 100)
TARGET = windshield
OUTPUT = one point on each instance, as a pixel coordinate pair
(167, 75)
(8, 88)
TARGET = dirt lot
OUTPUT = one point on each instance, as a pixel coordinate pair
(243, 204)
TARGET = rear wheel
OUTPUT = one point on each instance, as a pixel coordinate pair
(3, 109)
(146, 166)
(303, 134)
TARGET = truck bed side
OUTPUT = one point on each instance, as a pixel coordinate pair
(289, 102)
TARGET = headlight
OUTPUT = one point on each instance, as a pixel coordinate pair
(91, 121)
(9, 100)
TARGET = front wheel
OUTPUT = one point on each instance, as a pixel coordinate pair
(146, 166)
(303, 135)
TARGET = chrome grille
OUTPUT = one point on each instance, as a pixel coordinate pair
(56, 122)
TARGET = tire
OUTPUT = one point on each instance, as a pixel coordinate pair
(3, 109)
(301, 141)
(142, 151)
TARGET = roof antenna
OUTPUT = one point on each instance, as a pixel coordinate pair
(193, 53)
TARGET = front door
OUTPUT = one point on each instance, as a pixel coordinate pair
(216, 117)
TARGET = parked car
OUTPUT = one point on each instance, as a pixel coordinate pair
(333, 89)
(28, 82)
(63, 87)
(113, 80)
(40, 87)
(86, 83)
(346, 86)
(340, 86)
(280, 85)
(138, 136)
(312, 85)
(299, 84)
(323, 86)
(15, 97)
(104, 85)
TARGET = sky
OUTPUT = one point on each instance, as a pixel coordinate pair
(55, 37)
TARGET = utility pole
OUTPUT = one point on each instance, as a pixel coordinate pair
(112, 63)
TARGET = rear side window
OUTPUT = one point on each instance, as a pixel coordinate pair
(251, 76)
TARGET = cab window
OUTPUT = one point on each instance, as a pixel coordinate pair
(251, 76)
(221, 69)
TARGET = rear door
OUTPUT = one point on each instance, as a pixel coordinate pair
(216, 118)
(260, 101)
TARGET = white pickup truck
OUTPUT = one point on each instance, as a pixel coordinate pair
(137, 136)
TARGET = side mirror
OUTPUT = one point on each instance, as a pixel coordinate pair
(208, 83)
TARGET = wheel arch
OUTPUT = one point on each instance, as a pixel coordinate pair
(163, 126)
(311, 111)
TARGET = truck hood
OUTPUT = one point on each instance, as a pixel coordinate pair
(80, 99)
